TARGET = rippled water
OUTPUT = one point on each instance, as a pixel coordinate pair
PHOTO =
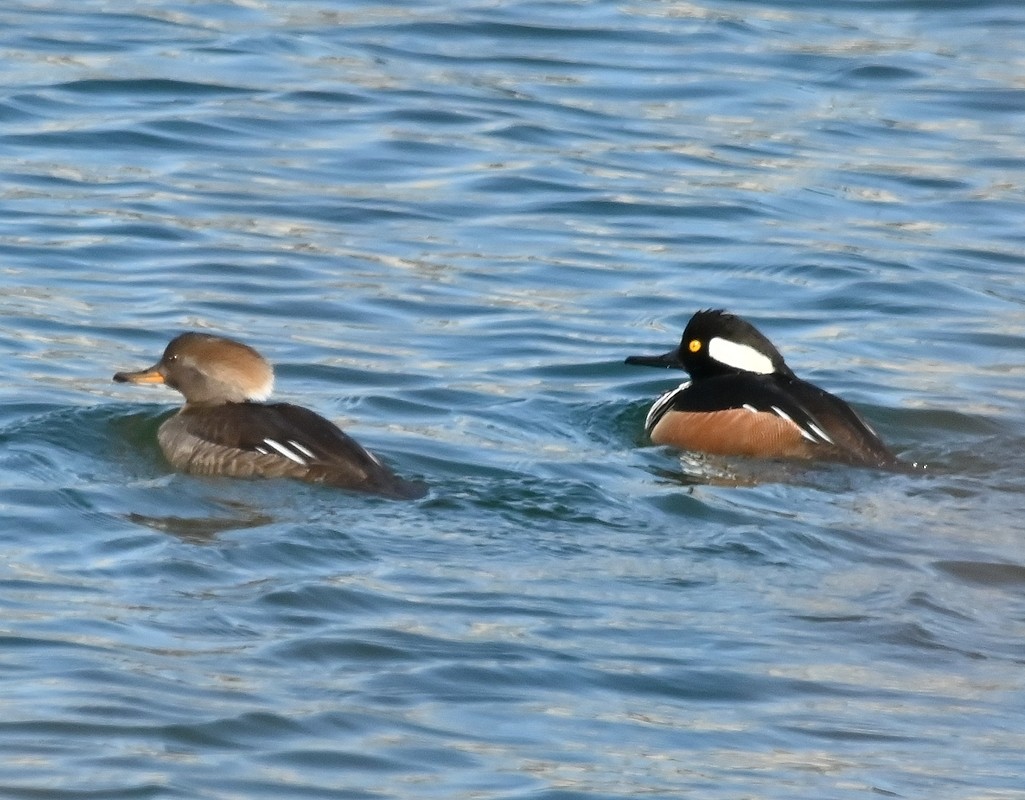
(447, 225)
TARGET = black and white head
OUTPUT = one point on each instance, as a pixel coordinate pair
(717, 343)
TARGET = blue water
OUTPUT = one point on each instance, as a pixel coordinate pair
(447, 225)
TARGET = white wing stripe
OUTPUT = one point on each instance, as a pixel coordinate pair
(304, 450)
(285, 452)
(789, 419)
(819, 432)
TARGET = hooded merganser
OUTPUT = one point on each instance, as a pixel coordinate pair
(743, 399)
(223, 429)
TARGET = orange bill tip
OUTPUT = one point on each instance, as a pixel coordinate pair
(142, 376)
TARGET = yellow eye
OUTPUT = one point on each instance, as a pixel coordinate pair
(694, 346)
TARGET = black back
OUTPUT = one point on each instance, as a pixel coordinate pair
(337, 459)
(814, 410)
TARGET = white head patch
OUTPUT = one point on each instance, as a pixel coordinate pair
(739, 356)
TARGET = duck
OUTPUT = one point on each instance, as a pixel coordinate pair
(743, 400)
(226, 429)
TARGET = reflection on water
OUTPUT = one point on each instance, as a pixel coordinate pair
(200, 530)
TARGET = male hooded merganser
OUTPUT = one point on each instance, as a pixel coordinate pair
(743, 399)
(223, 429)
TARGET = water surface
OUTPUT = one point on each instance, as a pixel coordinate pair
(447, 225)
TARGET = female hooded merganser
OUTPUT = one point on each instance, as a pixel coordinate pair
(223, 429)
(743, 399)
